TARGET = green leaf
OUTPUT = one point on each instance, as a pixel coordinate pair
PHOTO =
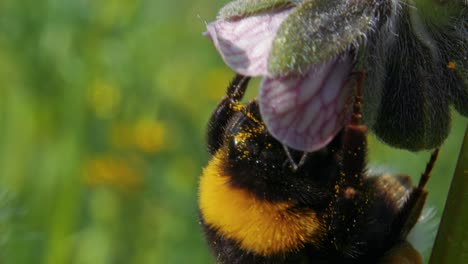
(242, 8)
(438, 11)
(318, 30)
(452, 42)
(413, 111)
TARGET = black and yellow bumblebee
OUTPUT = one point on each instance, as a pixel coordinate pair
(262, 202)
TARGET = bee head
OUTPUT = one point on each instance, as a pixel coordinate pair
(250, 144)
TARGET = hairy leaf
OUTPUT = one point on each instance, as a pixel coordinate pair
(414, 107)
(242, 8)
(317, 30)
(438, 11)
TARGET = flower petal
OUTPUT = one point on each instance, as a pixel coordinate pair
(245, 43)
(306, 112)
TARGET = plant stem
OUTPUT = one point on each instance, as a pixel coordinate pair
(451, 245)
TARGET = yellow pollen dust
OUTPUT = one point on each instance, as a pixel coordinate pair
(248, 133)
(451, 65)
(242, 136)
(237, 107)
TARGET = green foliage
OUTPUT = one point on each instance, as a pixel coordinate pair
(451, 245)
(242, 8)
(318, 30)
(438, 11)
(103, 107)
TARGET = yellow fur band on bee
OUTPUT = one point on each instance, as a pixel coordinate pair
(260, 226)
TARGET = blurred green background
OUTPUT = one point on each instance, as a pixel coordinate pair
(103, 107)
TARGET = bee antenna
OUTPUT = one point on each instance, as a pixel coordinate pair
(354, 146)
(295, 166)
(427, 172)
(357, 116)
(237, 87)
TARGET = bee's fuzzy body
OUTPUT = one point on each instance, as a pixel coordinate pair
(255, 207)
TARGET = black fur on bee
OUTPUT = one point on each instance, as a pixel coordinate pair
(256, 207)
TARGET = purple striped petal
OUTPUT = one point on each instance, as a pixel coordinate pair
(245, 43)
(306, 112)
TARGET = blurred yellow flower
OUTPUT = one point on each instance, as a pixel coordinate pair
(115, 172)
(103, 98)
(149, 135)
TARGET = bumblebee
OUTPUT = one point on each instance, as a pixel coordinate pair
(263, 202)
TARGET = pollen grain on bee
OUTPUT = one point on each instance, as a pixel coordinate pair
(451, 64)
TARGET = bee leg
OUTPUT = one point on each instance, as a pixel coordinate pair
(355, 142)
(224, 111)
(411, 210)
(404, 252)
(347, 210)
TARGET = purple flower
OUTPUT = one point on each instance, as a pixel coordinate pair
(304, 50)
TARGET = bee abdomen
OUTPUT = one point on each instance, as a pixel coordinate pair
(249, 227)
